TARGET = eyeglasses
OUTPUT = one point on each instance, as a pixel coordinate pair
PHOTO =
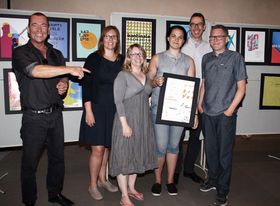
(137, 54)
(113, 37)
(217, 38)
(199, 25)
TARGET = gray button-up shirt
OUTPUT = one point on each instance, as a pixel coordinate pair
(221, 74)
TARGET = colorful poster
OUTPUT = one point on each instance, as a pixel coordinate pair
(13, 33)
(233, 39)
(59, 35)
(86, 36)
(275, 47)
(73, 99)
(141, 31)
(255, 45)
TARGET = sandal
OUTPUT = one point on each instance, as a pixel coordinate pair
(137, 195)
(126, 204)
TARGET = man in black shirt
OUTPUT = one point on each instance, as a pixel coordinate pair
(40, 71)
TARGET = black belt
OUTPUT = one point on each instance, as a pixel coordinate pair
(48, 110)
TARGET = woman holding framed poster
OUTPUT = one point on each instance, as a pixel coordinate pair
(99, 107)
(167, 136)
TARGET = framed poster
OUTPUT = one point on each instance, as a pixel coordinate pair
(13, 34)
(255, 45)
(11, 92)
(72, 101)
(269, 91)
(85, 34)
(184, 24)
(177, 100)
(233, 38)
(141, 31)
(59, 35)
(274, 47)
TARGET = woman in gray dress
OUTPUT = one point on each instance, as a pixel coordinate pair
(133, 148)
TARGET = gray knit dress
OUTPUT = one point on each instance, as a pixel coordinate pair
(136, 154)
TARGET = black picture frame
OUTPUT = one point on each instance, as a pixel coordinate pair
(14, 34)
(88, 31)
(274, 47)
(141, 31)
(254, 46)
(177, 100)
(269, 91)
(184, 24)
(233, 38)
(11, 93)
(60, 35)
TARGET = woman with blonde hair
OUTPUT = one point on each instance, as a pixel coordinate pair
(133, 141)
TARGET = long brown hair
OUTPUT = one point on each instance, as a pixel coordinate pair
(101, 50)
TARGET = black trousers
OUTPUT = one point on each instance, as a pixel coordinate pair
(38, 131)
(221, 132)
(192, 150)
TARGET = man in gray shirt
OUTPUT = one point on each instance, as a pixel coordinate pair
(223, 88)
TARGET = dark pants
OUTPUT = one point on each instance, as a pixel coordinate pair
(193, 148)
(219, 142)
(38, 131)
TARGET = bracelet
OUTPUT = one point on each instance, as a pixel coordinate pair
(196, 114)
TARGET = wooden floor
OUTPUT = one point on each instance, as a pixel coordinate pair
(255, 178)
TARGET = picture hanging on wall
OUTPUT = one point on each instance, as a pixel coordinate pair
(184, 24)
(86, 33)
(269, 92)
(72, 101)
(59, 35)
(233, 38)
(13, 34)
(274, 47)
(255, 45)
(141, 31)
(11, 92)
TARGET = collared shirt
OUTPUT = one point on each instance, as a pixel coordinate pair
(36, 93)
(196, 50)
(221, 74)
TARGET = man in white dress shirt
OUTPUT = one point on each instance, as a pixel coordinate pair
(195, 47)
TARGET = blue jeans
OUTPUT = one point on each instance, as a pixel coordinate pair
(219, 142)
(167, 138)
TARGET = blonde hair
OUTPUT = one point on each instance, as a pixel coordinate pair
(127, 61)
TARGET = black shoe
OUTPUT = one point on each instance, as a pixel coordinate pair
(62, 200)
(171, 188)
(176, 178)
(221, 200)
(206, 187)
(156, 189)
(194, 177)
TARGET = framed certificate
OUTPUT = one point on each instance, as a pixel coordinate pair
(269, 92)
(177, 100)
